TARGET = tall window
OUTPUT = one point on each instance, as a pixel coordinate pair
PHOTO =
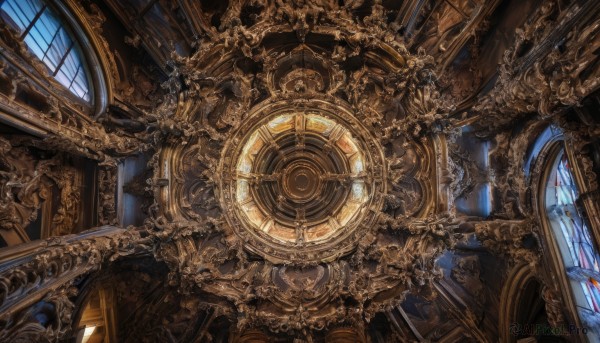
(47, 38)
(577, 248)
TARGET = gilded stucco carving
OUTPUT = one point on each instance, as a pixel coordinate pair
(293, 106)
(542, 78)
(304, 167)
(48, 275)
(29, 179)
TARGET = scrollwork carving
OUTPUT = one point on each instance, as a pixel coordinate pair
(515, 239)
(235, 80)
(531, 82)
(45, 276)
(383, 140)
(46, 321)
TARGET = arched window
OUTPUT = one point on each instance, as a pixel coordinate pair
(578, 250)
(45, 35)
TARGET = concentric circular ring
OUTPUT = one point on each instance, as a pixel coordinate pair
(300, 182)
(301, 179)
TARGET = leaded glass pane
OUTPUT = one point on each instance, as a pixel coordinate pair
(46, 37)
(562, 194)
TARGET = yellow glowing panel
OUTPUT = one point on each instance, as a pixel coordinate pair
(281, 124)
(357, 164)
(243, 191)
(254, 144)
(254, 215)
(348, 212)
(319, 232)
(346, 144)
(282, 233)
(267, 226)
(319, 124)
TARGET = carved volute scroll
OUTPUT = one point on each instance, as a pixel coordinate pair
(281, 169)
(38, 292)
(253, 336)
(294, 171)
(344, 334)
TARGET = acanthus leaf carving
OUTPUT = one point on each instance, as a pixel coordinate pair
(515, 239)
(546, 82)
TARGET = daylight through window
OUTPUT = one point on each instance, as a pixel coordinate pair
(44, 34)
(578, 251)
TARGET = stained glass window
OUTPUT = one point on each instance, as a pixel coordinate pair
(578, 248)
(42, 31)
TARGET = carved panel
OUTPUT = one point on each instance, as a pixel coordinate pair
(262, 132)
(300, 150)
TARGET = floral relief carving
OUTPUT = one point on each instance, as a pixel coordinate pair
(304, 167)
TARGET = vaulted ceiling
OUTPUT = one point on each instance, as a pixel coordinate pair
(317, 171)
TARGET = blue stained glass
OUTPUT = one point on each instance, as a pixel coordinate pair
(46, 37)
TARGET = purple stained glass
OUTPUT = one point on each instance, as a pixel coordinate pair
(575, 232)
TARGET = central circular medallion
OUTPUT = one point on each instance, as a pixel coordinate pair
(304, 178)
(300, 182)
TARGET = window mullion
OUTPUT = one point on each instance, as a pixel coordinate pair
(33, 21)
(50, 46)
(50, 40)
(62, 60)
(74, 77)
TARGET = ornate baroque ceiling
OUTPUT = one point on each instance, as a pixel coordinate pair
(303, 159)
(302, 164)
(316, 170)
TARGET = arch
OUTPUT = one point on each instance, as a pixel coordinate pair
(101, 63)
(568, 243)
(56, 36)
(523, 307)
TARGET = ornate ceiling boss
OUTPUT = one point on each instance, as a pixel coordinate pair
(302, 183)
(297, 183)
